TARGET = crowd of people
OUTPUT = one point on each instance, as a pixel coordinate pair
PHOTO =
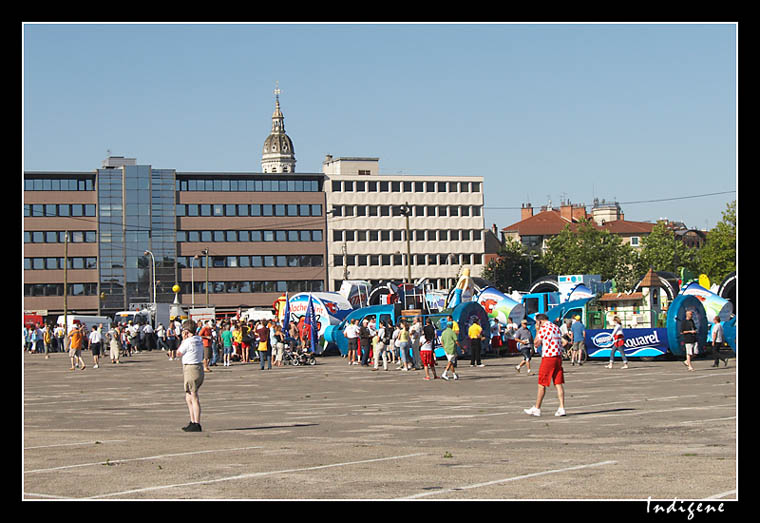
(409, 345)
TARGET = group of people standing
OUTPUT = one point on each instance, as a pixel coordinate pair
(411, 345)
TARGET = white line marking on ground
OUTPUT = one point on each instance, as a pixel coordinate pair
(252, 475)
(506, 480)
(75, 444)
(137, 459)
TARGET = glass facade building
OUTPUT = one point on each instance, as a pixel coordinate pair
(264, 234)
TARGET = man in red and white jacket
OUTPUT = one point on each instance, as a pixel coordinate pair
(548, 337)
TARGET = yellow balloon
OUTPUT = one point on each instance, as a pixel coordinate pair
(176, 288)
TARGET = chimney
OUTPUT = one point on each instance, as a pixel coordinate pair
(579, 212)
(526, 211)
(566, 211)
(495, 230)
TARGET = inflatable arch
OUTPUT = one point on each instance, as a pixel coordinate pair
(677, 313)
(727, 289)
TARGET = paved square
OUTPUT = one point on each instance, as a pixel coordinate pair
(335, 431)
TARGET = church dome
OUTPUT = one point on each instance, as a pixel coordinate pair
(278, 154)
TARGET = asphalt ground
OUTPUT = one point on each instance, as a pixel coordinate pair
(337, 432)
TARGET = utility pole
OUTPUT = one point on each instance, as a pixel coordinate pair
(406, 210)
(205, 251)
(65, 281)
(345, 262)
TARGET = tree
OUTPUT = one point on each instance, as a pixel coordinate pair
(658, 249)
(514, 267)
(590, 250)
(718, 256)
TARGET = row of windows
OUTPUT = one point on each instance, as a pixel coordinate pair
(59, 236)
(56, 289)
(414, 235)
(302, 260)
(59, 184)
(417, 210)
(236, 287)
(59, 210)
(245, 185)
(392, 260)
(250, 236)
(231, 209)
(53, 263)
(399, 186)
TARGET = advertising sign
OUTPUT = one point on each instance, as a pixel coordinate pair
(638, 342)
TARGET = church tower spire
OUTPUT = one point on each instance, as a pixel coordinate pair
(278, 155)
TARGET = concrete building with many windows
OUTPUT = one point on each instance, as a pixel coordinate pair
(367, 230)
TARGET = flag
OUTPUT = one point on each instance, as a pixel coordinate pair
(286, 314)
(310, 319)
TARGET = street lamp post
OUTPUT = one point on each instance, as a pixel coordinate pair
(192, 278)
(154, 283)
(205, 251)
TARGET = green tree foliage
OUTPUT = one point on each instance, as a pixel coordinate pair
(718, 256)
(590, 250)
(661, 251)
(514, 268)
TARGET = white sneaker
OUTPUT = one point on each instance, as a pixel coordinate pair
(481, 365)
(625, 366)
(609, 366)
(456, 377)
(533, 411)
(517, 368)
(444, 377)
(95, 367)
(560, 412)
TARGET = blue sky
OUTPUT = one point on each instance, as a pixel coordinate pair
(626, 112)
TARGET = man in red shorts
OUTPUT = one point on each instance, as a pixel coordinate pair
(548, 337)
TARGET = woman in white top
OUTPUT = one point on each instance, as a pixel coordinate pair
(618, 343)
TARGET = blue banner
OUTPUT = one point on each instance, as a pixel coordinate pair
(638, 342)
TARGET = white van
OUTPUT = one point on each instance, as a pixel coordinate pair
(88, 321)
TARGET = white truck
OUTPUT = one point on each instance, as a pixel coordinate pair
(143, 313)
(87, 321)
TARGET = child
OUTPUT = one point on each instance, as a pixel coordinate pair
(426, 349)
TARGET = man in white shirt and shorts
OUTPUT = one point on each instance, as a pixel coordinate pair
(191, 352)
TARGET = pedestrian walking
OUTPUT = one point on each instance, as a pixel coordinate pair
(226, 344)
(114, 342)
(76, 343)
(173, 334)
(475, 333)
(206, 338)
(364, 340)
(618, 343)
(47, 340)
(94, 341)
(262, 334)
(404, 342)
(524, 340)
(578, 331)
(351, 332)
(689, 337)
(548, 338)
(279, 344)
(383, 336)
(450, 342)
(427, 354)
(717, 339)
(415, 334)
(192, 352)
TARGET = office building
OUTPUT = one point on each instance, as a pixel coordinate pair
(367, 238)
